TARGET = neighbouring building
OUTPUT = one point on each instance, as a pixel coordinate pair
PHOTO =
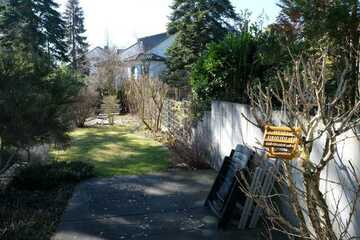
(148, 54)
(95, 57)
(108, 60)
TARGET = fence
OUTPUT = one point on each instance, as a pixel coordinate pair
(189, 139)
(176, 120)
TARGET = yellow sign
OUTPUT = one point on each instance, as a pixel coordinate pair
(282, 142)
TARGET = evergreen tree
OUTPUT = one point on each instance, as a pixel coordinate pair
(35, 26)
(35, 93)
(196, 23)
(54, 29)
(334, 25)
(75, 38)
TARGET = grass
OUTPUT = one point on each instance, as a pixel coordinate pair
(117, 150)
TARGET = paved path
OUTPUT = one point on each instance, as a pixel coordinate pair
(163, 206)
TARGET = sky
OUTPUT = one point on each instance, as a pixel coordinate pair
(122, 22)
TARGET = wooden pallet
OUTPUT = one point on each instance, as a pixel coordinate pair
(225, 192)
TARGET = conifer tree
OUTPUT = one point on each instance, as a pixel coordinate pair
(74, 18)
(197, 23)
(35, 93)
(54, 29)
(35, 26)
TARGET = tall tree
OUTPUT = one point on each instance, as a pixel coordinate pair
(54, 29)
(320, 24)
(35, 26)
(74, 18)
(35, 93)
(196, 24)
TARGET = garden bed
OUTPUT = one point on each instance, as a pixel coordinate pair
(32, 215)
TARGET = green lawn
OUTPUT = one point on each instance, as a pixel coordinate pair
(117, 150)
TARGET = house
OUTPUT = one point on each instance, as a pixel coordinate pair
(95, 57)
(147, 55)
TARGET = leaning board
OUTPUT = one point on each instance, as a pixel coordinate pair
(225, 192)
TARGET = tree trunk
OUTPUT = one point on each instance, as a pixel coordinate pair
(354, 51)
(318, 208)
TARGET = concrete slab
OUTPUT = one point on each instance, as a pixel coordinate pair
(159, 206)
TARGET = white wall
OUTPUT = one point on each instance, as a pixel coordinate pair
(228, 127)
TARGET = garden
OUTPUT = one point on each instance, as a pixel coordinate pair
(227, 76)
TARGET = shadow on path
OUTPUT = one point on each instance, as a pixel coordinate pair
(159, 206)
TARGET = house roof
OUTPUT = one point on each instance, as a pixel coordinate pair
(120, 51)
(141, 49)
(150, 42)
(96, 50)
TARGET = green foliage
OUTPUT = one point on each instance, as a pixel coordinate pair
(34, 26)
(34, 100)
(75, 39)
(196, 24)
(49, 176)
(32, 215)
(36, 91)
(224, 71)
(228, 68)
(318, 25)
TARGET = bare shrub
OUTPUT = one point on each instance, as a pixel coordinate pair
(146, 98)
(182, 138)
(305, 102)
(85, 105)
(109, 74)
(110, 107)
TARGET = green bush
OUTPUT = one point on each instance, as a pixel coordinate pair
(49, 176)
(224, 71)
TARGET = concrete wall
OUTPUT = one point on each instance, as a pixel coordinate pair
(228, 127)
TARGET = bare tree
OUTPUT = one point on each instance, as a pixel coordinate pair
(305, 102)
(146, 97)
(109, 73)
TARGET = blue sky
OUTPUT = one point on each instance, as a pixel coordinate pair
(123, 21)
